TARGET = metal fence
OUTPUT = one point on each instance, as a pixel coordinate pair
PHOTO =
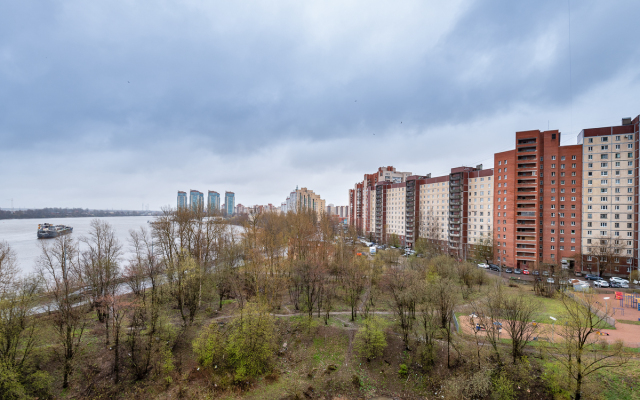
(455, 322)
(599, 313)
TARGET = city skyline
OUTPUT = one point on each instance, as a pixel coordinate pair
(314, 94)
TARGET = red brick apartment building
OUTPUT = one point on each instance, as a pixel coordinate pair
(537, 201)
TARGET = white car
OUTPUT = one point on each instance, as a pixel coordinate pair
(619, 280)
(601, 283)
(483, 265)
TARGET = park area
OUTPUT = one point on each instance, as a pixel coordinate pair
(623, 322)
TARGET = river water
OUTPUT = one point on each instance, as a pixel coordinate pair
(21, 235)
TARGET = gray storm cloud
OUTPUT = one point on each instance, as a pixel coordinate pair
(127, 102)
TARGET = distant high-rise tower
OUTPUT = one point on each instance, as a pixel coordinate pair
(230, 202)
(182, 199)
(213, 201)
(197, 200)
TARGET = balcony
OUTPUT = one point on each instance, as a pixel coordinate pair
(527, 182)
(526, 158)
(454, 234)
(527, 141)
(526, 222)
(526, 205)
(456, 190)
(526, 214)
(529, 149)
(526, 255)
(454, 202)
(526, 238)
(526, 197)
(526, 230)
(454, 245)
(527, 166)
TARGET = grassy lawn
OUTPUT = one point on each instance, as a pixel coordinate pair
(626, 321)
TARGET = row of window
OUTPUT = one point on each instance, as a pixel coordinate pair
(606, 138)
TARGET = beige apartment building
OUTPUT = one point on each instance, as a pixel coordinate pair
(609, 222)
(480, 209)
(434, 208)
(304, 199)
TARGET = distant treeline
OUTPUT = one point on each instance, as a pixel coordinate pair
(67, 213)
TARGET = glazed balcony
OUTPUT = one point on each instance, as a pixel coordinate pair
(526, 158)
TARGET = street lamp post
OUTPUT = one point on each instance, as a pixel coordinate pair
(554, 327)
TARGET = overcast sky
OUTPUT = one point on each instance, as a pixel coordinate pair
(113, 104)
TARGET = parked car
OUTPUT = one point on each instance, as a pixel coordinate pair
(536, 272)
(545, 273)
(617, 279)
(509, 270)
(601, 283)
(494, 267)
(517, 271)
(525, 271)
(591, 277)
(615, 284)
(483, 265)
(550, 280)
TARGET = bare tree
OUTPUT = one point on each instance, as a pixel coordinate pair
(400, 283)
(443, 295)
(17, 328)
(8, 267)
(354, 280)
(99, 267)
(606, 251)
(517, 312)
(582, 352)
(62, 279)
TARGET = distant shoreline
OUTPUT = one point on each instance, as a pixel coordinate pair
(47, 213)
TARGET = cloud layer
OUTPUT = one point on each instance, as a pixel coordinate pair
(115, 104)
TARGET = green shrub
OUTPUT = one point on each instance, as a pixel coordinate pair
(403, 371)
(503, 388)
(10, 386)
(252, 342)
(370, 341)
(209, 346)
(39, 384)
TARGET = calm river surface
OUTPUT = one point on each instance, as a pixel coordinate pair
(21, 235)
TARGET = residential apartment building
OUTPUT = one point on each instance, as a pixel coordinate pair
(304, 199)
(437, 209)
(610, 197)
(359, 197)
(537, 201)
(182, 199)
(196, 200)
(213, 201)
(230, 202)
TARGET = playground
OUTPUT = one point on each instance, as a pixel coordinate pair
(622, 307)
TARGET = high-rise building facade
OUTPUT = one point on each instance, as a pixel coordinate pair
(538, 201)
(230, 202)
(305, 199)
(359, 197)
(182, 199)
(213, 201)
(453, 210)
(610, 198)
(196, 200)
